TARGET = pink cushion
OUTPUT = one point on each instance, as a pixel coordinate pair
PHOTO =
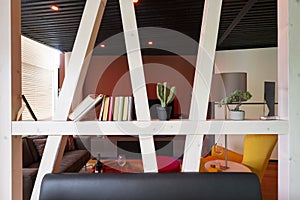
(168, 164)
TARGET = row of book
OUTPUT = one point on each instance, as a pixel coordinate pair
(116, 108)
(113, 108)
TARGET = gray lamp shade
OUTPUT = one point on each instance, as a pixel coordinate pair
(224, 84)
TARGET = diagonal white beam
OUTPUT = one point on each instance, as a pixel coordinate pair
(138, 81)
(83, 46)
(202, 81)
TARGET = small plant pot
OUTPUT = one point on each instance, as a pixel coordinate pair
(237, 115)
(164, 113)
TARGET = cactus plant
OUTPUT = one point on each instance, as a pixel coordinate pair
(165, 94)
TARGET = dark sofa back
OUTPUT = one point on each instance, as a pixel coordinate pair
(152, 186)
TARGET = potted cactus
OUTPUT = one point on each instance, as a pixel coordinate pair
(166, 95)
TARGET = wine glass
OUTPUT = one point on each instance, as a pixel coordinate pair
(121, 160)
(218, 148)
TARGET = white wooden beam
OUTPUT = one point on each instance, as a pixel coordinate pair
(176, 127)
(5, 99)
(10, 85)
(202, 81)
(83, 46)
(138, 81)
(288, 100)
(283, 90)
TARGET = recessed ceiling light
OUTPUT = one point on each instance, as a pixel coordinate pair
(150, 43)
(54, 7)
(102, 45)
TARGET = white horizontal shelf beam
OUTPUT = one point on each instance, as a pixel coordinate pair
(173, 127)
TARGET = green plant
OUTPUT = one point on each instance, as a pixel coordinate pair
(165, 94)
(235, 97)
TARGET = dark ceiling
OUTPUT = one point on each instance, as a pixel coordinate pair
(244, 23)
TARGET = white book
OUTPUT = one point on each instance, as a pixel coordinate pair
(106, 107)
(121, 107)
(116, 109)
(125, 109)
(85, 106)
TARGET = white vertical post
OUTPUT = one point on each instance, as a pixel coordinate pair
(289, 97)
(138, 81)
(202, 81)
(10, 85)
(77, 68)
(5, 99)
(283, 90)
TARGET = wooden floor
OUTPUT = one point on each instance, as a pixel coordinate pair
(269, 184)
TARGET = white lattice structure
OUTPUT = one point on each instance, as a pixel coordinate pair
(194, 127)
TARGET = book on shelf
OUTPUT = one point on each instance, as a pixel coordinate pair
(116, 108)
(88, 103)
(121, 108)
(130, 108)
(111, 108)
(125, 109)
(106, 109)
(102, 108)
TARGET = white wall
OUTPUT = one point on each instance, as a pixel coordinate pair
(260, 65)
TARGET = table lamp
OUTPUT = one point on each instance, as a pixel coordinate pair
(223, 84)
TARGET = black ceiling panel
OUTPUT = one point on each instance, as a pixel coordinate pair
(244, 23)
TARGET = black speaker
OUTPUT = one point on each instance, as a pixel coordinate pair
(269, 96)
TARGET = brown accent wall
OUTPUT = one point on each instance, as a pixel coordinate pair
(110, 75)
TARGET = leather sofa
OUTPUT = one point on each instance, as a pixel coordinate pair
(149, 186)
(75, 157)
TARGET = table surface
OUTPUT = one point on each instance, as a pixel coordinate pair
(233, 166)
(131, 166)
(165, 164)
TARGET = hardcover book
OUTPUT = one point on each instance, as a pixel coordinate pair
(102, 109)
(85, 106)
(116, 109)
(106, 109)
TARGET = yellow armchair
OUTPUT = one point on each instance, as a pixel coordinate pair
(257, 153)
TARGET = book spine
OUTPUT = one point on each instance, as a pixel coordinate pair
(106, 106)
(102, 108)
(116, 109)
(130, 103)
(125, 109)
(111, 108)
(121, 107)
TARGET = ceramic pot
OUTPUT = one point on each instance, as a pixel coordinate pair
(163, 113)
(237, 115)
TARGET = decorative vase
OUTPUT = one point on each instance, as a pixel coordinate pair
(164, 113)
(237, 115)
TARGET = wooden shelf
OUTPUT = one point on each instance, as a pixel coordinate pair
(172, 127)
